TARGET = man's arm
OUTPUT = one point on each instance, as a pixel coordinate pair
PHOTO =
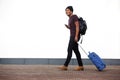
(67, 26)
(77, 30)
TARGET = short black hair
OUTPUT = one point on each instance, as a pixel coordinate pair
(70, 8)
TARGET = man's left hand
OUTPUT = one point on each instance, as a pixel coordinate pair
(76, 39)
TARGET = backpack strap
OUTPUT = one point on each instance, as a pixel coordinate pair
(81, 40)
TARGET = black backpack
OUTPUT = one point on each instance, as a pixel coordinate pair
(83, 26)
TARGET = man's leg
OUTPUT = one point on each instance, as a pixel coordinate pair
(69, 52)
(77, 53)
(70, 46)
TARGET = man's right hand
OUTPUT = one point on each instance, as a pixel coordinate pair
(67, 26)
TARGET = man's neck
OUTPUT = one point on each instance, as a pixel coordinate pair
(70, 15)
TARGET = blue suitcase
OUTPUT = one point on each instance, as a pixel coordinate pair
(96, 60)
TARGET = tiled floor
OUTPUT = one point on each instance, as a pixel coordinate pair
(50, 72)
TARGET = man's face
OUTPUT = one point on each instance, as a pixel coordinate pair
(68, 12)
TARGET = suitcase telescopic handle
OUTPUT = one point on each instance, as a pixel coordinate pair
(83, 50)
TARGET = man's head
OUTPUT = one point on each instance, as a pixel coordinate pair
(69, 10)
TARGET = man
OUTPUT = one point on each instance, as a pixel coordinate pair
(73, 26)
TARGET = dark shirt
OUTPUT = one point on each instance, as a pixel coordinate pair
(72, 25)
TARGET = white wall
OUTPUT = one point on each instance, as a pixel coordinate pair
(35, 28)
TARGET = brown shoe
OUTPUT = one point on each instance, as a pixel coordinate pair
(63, 68)
(79, 68)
